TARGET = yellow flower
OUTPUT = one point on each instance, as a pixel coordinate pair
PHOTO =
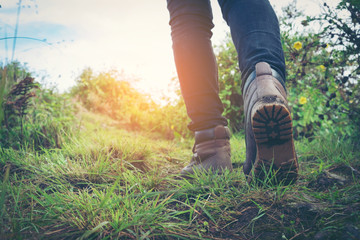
(297, 45)
(303, 100)
(172, 127)
(351, 101)
(322, 68)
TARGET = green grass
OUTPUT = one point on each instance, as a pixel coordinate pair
(109, 183)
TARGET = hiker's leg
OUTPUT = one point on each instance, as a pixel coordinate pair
(191, 24)
(255, 33)
(268, 126)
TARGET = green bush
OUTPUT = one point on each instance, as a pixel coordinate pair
(230, 84)
(9, 74)
(322, 74)
(322, 80)
(32, 116)
(111, 93)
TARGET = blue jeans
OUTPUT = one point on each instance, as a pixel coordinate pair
(255, 32)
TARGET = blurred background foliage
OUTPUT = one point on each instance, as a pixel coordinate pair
(111, 93)
(322, 64)
(324, 70)
(322, 59)
(32, 116)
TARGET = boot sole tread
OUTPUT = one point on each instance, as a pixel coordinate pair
(272, 128)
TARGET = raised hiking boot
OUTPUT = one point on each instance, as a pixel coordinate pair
(270, 152)
(211, 151)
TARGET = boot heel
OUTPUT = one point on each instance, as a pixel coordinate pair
(272, 128)
(272, 123)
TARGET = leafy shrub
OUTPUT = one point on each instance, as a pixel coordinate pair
(322, 74)
(230, 84)
(32, 116)
(111, 93)
(9, 75)
(322, 81)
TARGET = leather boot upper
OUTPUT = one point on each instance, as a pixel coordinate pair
(211, 150)
(264, 87)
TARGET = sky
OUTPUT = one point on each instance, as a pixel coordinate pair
(59, 38)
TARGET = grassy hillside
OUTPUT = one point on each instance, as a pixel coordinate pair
(102, 162)
(109, 183)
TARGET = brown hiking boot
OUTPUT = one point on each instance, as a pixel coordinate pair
(211, 151)
(270, 151)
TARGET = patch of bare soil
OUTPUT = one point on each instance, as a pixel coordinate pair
(328, 208)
